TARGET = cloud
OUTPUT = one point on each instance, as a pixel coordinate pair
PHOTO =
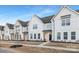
(7, 19)
(46, 12)
(27, 16)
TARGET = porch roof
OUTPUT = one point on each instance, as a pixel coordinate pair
(47, 30)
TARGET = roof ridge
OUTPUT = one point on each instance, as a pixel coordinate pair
(47, 16)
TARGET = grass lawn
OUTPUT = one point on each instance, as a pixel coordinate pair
(65, 45)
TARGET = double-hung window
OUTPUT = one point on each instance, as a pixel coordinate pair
(34, 36)
(38, 35)
(65, 20)
(35, 26)
(65, 35)
(73, 35)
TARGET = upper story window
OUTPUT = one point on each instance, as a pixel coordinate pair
(35, 26)
(66, 20)
(17, 26)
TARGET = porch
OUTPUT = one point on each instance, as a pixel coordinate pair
(47, 35)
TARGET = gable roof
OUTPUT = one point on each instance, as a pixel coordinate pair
(1, 28)
(24, 24)
(10, 26)
(47, 19)
(75, 11)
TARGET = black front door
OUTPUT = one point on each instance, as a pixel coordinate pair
(50, 37)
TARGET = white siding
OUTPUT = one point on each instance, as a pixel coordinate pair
(7, 33)
(21, 30)
(47, 26)
(35, 20)
(74, 25)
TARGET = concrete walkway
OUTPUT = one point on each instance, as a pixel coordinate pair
(60, 48)
(41, 46)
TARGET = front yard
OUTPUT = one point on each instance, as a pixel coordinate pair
(64, 45)
(32, 49)
(27, 49)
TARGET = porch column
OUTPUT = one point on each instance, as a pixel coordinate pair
(44, 36)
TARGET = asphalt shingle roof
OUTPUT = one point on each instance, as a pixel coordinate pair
(24, 24)
(11, 26)
(47, 19)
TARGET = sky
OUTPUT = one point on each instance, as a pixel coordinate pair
(11, 13)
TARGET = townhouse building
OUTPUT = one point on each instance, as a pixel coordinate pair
(1, 32)
(9, 32)
(65, 25)
(21, 30)
(40, 29)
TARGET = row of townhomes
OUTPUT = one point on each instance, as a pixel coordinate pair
(63, 27)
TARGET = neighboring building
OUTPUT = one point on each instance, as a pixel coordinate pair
(40, 29)
(21, 30)
(65, 25)
(9, 31)
(1, 32)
